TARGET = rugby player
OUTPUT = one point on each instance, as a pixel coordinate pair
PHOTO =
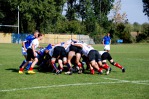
(32, 55)
(25, 44)
(106, 56)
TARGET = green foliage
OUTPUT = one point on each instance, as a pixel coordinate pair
(123, 32)
(136, 27)
(145, 29)
(146, 7)
(143, 36)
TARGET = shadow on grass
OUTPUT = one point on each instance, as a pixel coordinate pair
(13, 69)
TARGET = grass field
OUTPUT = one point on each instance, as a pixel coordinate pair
(133, 84)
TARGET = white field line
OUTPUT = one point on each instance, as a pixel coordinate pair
(54, 86)
(144, 82)
(146, 60)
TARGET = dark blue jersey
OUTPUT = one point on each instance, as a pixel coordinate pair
(28, 40)
(106, 40)
(41, 51)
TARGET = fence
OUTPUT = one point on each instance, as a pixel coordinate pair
(47, 38)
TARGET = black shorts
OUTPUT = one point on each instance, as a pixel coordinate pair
(94, 55)
(30, 54)
(75, 49)
(60, 52)
(106, 56)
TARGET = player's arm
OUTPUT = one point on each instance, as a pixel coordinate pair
(40, 47)
(78, 45)
(110, 41)
(103, 41)
(23, 45)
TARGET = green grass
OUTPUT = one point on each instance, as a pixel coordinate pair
(133, 84)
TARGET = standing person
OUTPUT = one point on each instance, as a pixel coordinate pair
(26, 43)
(106, 41)
(32, 55)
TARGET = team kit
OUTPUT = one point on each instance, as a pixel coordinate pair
(72, 56)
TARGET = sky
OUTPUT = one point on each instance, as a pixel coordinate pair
(134, 11)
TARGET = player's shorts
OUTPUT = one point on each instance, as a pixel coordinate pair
(94, 55)
(60, 52)
(23, 51)
(107, 47)
(75, 49)
(106, 56)
(30, 55)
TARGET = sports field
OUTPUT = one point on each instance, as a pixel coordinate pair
(133, 84)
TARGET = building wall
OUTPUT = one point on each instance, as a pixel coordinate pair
(47, 38)
(5, 37)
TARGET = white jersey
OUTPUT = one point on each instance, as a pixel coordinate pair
(86, 49)
(34, 42)
(101, 52)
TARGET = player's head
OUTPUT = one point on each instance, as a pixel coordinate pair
(39, 36)
(108, 34)
(36, 33)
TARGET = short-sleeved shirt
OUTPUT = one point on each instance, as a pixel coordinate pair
(35, 42)
(106, 40)
(28, 40)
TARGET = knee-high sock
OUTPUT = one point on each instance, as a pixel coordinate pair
(54, 66)
(28, 65)
(118, 65)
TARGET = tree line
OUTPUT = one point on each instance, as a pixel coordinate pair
(66, 16)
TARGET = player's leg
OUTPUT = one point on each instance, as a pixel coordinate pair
(99, 62)
(91, 69)
(117, 65)
(95, 65)
(92, 60)
(53, 63)
(30, 71)
(31, 57)
(71, 54)
(22, 68)
(79, 64)
(107, 48)
(24, 53)
(60, 62)
(109, 58)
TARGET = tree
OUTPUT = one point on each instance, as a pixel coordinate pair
(34, 14)
(71, 10)
(145, 29)
(146, 7)
(102, 8)
(117, 16)
(123, 32)
(136, 27)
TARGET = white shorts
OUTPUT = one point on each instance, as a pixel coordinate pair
(23, 51)
(107, 47)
